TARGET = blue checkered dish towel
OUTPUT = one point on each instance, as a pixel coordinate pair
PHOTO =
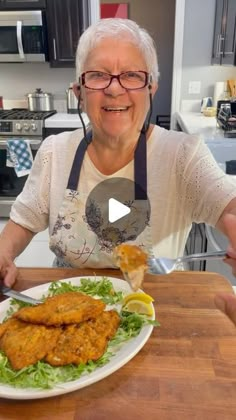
(19, 156)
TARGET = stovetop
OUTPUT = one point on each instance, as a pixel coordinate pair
(22, 123)
(24, 114)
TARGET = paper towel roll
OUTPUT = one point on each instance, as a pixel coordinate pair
(219, 89)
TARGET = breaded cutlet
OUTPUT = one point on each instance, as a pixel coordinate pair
(62, 309)
(86, 341)
(25, 344)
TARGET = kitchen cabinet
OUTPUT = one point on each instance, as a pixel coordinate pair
(66, 21)
(22, 4)
(224, 42)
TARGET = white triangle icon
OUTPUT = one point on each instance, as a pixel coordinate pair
(116, 210)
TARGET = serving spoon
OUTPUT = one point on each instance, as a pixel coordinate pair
(163, 265)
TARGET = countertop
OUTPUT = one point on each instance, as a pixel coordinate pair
(206, 127)
(64, 120)
(186, 370)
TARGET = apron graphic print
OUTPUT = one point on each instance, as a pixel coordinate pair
(74, 240)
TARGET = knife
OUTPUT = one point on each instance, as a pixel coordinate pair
(7, 291)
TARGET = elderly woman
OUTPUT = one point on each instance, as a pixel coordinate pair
(117, 75)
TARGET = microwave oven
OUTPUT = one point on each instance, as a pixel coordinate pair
(23, 36)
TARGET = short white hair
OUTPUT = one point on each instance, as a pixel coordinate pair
(117, 27)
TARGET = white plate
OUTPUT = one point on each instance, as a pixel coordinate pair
(121, 357)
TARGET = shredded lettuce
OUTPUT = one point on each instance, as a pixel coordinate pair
(43, 376)
(103, 289)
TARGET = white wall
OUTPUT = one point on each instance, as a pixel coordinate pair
(16, 80)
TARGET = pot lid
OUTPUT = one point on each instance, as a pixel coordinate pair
(38, 93)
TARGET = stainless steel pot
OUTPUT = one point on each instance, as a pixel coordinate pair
(40, 101)
(72, 101)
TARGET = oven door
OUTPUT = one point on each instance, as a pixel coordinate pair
(10, 184)
(23, 36)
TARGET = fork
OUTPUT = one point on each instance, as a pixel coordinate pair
(7, 291)
(167, 265)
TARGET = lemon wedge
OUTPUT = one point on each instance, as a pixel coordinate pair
(139, 307)
(142, 297)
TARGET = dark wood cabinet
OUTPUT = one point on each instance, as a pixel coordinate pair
(224, 43)
(66, 20)
(22, 4)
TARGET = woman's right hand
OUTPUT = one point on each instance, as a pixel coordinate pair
(13, 240)
(8, 271)
(227, 304)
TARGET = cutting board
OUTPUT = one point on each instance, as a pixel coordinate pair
(186, 370)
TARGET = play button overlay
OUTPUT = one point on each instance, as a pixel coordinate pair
(117, 210)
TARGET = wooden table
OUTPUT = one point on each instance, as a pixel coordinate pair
(186, 370)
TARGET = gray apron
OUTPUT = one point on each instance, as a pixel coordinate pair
(72, 240)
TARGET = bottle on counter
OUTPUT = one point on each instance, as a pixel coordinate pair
(221, 92)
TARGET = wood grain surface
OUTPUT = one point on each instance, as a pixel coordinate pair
(186, 370)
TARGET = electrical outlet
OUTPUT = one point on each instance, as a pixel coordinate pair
(194, 87)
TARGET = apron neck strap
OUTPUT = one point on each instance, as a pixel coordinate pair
(140, 166)
(77, 163)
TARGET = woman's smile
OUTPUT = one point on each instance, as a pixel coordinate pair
(115, 109)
